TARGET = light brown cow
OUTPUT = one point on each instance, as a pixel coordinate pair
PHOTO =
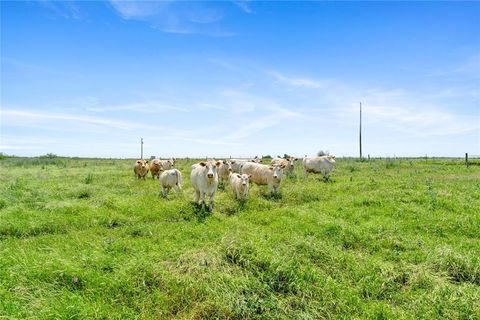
(155, 168)
(237, 163)
(289, 164)
(141, 168)
(262, 174)
(224, 171)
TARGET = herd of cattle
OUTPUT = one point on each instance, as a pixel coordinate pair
(206, 175)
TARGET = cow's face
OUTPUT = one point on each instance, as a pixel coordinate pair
(245, 179)
(291, 162)
(228, 165)
(276, 172)
(211, 168)
(142, 163)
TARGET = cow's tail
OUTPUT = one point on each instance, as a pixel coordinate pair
(179, 178)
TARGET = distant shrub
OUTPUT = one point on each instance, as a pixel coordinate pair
(3, 156)
(49, 156)
(267, 157)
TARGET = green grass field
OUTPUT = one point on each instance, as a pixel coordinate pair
(383, 239)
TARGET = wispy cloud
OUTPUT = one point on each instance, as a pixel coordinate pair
(297, 81)
(243, 5)
(406, 112)
(409, 114)
(256, 113)
(175, 17)
(66, 9)
(143, 107)
(27, 117)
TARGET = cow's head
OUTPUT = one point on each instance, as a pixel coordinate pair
(228, 165)
(291, 163)
(142, 163)
(210, 168)
(276, 171)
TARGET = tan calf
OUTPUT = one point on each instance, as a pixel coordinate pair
(141, 168)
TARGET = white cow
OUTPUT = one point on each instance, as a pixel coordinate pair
(237, 163)
(170, 179)
(240, 185)
(167, 164)
(204, 179)
(262, 174)
(322, 164)
(289, 164)
(224, 171)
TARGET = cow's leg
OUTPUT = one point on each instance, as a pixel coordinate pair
(210, 206)
(202, 195)
(197, 196)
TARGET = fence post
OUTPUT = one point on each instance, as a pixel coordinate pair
(466, 159)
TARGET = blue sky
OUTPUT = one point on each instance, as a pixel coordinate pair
(239, 78)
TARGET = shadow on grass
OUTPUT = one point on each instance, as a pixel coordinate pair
(240, 205)
(276, 196)
(201, 213)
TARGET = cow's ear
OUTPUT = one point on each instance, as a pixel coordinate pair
(218, 163)
(239, 176)
(203, 164)
(224, 161)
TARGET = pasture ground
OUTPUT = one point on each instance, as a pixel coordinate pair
(390, 239)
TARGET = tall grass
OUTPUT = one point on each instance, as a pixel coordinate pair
(385, 238)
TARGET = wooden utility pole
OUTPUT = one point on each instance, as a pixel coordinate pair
(141, 148)
(360, 136)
